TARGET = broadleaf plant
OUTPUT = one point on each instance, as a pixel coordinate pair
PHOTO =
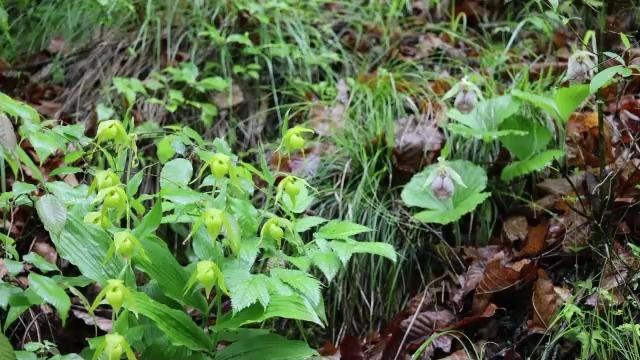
(464, 199)
(259, 256)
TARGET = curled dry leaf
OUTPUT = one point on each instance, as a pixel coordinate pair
(417, 139)
(536, 237)
(7, 134)
(515, 228)
(562, 186)
(226, 99)
(583, 139)
(426, 323)
(458, 355)
(546, 301)
(102, 323)
(500, 274)
(327, 120)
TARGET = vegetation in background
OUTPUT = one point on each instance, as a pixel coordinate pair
(189, 175)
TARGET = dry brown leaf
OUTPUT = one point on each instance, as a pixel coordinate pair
(500, 274)
(536, 237)
(47, 251)
(515, 228)
(7, 133)
(226, 100)
(546, 302)
(458, 355)
(327, 120)
(426, 323)
(417, 138)
(102, 323)
(562, 186)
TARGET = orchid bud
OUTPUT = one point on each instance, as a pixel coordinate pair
(292, 188)
(293, 140)
(115, 293)
(105, 179)
(208, 275)
(219, 164)
(465, 101)
(125, 243)
(213, 220)
(442, 186)
(276, 232)
(580, 66)
(112, 130)
(114, 197)
(466, 98)
(97, 218)
(115, 346)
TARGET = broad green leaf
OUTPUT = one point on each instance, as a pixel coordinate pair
(69, 195)
(418, 193)
(12, 266)
(537, 136)
(65, 170)
(307, 222)
(52, 293)
(45, 144)
(176, 324)
(328, 262)
(176, 173)
(245, 289)
(606, 75)
(288, 307)
(336, 229)
(160, 264)
(165, 150)
(52, 213)
(25, 159)
(6, 290)
(41, 263)
(133, 185)
(375, 248)
(215, 83)
(304, 283)
(448, 216)
(21, 188)
(257, 348)
(568, 99)
(6, 350)
(85, 246)
(150, 221)
(487, 116)
(535, 163)
(543, 102)
(18, 109)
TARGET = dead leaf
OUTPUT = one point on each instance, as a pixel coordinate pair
(562, 186)
(47, 251)
(57, 45)
(102, 323)
(515, 228)
(489, 311)
(7, 133)
(546, 301)
(351, 349)
(536, 237)
(458, 355)
(426, 323)
(327, 120)
(417, 139)
(226, 100)
(500, 274)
